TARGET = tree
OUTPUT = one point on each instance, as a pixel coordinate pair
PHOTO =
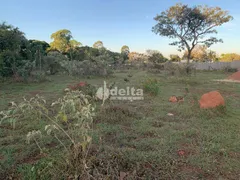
(137, 57)
(38, 49)
(11, 38)
(98, 45)
(74, 44)
(190, 25)
(124, 52)
(13, 49)
(36, 45)
(201, 53)
(175, 58)
(155, 56)
(63, 42)
(229, 57)
(212, 55)
(125, 49)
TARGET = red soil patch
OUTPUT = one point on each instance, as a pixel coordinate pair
(235, 76)
(32, 160)
(51, 145)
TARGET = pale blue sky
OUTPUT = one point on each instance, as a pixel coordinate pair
(115, 22)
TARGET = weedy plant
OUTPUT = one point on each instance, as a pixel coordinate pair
(74, 110)
(35, 136)
(151, 86)
(69, 122)
(27, 109)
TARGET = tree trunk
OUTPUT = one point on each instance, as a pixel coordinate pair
(188, 61)
(189, 56)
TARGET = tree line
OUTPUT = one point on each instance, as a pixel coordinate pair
(191, 27)
(20, 55)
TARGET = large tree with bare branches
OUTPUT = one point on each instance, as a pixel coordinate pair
(191, 25)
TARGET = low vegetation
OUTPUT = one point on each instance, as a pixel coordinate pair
(47, 137)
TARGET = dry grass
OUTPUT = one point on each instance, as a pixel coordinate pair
(138, 139)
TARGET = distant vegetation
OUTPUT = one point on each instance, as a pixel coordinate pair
(26, 59)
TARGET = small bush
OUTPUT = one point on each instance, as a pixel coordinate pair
(86, 68)
(229, 69)
(38, 77)
(25, 70)
(151, 86)
(156, 57)
(55, 62)
(174, 69)
(85, 87)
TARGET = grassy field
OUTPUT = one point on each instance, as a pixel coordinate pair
(138, 137)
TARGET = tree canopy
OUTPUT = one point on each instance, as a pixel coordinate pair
(35, 45)
(63, 41)
(13, 49)
(75, 44)
(125, 49)
(201, 53)
(155, 56)
(229, 57)
(190, 25)
(98, 45)
(175, 58)
(11, 38)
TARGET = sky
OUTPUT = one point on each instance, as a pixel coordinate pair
(114, 22)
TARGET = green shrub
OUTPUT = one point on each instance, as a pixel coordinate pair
(229, 69)
(39, 76)
(55, 62)
(25, 70)
(151, 86)
(156, 57)
(84, 87)
(183, 69)
(87, 68)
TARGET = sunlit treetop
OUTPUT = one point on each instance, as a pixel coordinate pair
(125, 49)
(98, 45)
(191, 25)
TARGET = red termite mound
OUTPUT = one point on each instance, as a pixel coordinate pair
(211, 100)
